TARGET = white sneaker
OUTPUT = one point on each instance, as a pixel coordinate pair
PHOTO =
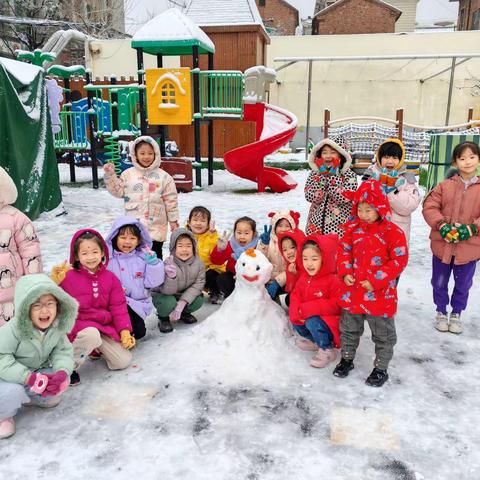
(441, 322)
(7, 427)
(455, 324)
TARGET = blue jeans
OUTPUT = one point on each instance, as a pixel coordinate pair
(317, 331)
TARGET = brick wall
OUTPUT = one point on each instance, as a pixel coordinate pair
(355, 16)
(277, 14)
(466, 10)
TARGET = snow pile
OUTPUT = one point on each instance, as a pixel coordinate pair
(247, 340)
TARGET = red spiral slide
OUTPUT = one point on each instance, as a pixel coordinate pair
(275, 127)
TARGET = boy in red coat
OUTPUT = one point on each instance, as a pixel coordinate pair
(372, 254)
(314, 310)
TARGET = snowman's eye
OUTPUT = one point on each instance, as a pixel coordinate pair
(258, 267)
(243, 264)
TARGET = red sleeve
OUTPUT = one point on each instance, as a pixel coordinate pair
(293, 309)
(118, 306)
(219, 257)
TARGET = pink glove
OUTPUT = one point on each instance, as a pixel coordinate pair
(177, 312)
(37, 382)
(170, 270)
(58, 382)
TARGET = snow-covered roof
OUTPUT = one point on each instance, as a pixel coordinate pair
(223, 12)
(25, 73)
(171, 33)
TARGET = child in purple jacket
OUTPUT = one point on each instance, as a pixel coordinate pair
(136, 266)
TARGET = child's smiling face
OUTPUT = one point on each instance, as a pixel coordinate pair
(198, 223)
(145, 155)
(283, 225)
(244, 233)
(90, 255)
(366, 213)
(312, 260)
(184, 249)
(43, 311)
(127, 242)
(328, 154)
(289, 250)
(467, 163)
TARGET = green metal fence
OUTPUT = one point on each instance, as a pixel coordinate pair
(221, 93)
(70, 137)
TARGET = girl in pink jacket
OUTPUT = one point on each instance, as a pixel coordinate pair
(149, 192)
(103, 323)
(452, 209)
(19, 246)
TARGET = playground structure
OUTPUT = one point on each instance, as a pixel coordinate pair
(112, 114)
(363, 135)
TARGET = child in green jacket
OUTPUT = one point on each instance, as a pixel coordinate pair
(36, 357)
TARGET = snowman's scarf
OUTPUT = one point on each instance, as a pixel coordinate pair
(238, 249)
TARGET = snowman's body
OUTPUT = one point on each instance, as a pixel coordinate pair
(248, 337)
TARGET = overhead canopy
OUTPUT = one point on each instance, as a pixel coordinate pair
(172, 33)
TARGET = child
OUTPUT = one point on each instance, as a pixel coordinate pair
(280, 222)
(36, 358)
(398, 184)
(137, 268)
(372, 254)
(244, 237)
(330, 177)
(181, 294)
(288, 244)
(452, 209)
(314, 310)
(103, 322)
(148, 191)
(201, 225)
(19, 246)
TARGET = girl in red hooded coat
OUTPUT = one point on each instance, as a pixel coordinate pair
(373, 253)
(314, 310)
(103, 323)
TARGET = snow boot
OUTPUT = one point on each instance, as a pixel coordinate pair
(307, 345)
(323, 357)
(377, 378)
(165, 326)
(343, 368)
(74, 379)
(455, 325)
(188, 318)
(7, 427)
(441, 322)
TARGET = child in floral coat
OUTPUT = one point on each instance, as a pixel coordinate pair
(330, 177)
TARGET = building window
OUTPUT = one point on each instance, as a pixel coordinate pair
(476, 20)
(261, 3)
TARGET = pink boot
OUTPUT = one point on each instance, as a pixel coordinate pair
(323, 358)
(307, 345)
(7, 427)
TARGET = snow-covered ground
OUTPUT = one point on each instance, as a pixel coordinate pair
(161, 419)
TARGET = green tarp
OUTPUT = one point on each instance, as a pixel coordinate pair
(26, 140)
(440, 159)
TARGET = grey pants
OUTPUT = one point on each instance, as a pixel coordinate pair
(384, 336)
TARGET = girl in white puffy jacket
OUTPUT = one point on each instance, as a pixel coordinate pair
(149, 192)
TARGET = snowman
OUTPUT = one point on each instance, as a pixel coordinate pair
(248, 338)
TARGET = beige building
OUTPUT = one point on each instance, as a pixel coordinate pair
(406, 22)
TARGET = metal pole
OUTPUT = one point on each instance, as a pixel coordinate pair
(309, 99)
(196, 120)
(141, 92)
(163, 128)
(450, 90)
(210, 127)
(91, 129)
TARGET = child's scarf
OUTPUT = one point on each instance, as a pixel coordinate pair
(238, 250)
